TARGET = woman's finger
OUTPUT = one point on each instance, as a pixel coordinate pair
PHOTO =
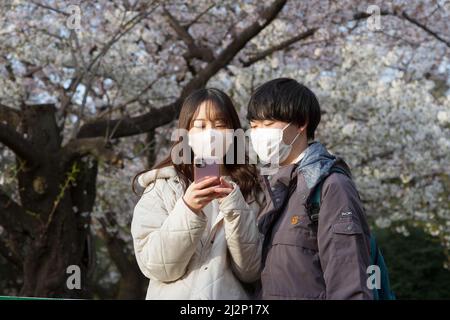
(205, 192)
(206, 182)
(223, 190)
(204, 201)
(225, 183)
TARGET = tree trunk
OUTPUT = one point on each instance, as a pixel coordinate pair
(59, 196)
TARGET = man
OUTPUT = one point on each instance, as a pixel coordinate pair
(306, 255)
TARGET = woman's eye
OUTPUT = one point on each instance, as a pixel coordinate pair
(220, 125)
(198, 125)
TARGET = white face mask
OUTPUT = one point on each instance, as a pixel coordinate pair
(211, 143)
(269, 145)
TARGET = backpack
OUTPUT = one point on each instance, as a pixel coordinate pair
(376, 258)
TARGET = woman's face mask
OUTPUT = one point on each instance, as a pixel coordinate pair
(209, 143)
(269, 145)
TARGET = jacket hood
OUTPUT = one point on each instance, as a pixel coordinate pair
(317, 163)
(150, 176)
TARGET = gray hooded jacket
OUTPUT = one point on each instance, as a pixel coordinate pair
(303, 259)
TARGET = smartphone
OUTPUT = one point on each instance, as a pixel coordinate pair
(206, 167)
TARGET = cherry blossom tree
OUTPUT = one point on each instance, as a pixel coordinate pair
(89, 93)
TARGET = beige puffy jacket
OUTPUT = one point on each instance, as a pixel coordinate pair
(166, 236)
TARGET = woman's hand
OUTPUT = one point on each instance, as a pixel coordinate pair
(224, 189)
(199, 194)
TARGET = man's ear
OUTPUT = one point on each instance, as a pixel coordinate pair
(302, 129)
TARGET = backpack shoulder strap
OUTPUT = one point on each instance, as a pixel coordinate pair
(313, 203)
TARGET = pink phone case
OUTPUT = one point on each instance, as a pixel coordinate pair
(206, 168)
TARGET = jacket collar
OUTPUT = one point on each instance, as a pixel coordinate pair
(150, 176)
(283, 175)
(317, 163)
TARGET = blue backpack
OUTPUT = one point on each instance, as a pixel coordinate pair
(376, 258)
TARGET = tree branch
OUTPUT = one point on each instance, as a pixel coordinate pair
(127, 126)
(44, 6)
(9, 115)
(194, 51)
(96, 147)
(161, 116)
(285, 44)
(403, 14)
(425, 28)
(201, 14)
(19, 145)
(118, 34)
(365, 15)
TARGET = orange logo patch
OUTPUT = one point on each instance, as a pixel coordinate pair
(294, 219)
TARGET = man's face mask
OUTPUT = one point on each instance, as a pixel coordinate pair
(269, 145)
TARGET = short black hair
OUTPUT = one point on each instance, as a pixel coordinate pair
(286, 100)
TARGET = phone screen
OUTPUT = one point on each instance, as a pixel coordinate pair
(206, 167)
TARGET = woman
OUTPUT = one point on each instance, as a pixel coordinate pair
(199, 240)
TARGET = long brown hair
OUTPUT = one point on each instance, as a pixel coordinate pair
(245, 175)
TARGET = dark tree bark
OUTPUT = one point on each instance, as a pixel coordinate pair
(54, 193)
